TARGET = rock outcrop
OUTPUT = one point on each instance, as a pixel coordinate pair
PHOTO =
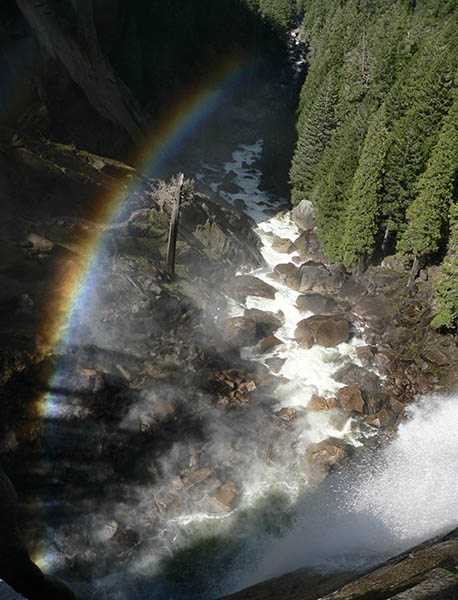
(425, 572)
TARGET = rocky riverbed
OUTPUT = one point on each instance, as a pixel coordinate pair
(175, 429)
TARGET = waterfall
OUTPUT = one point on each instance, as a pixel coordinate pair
(387, 502)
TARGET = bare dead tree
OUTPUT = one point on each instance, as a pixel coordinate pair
(173, 230)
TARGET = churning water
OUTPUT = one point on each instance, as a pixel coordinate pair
(390, 501)
(382, 503)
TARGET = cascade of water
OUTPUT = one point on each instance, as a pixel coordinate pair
(388, 502)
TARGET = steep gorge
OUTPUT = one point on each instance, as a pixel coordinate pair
(166, 431)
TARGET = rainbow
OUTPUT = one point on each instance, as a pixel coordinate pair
(181, 121)
(74, 285)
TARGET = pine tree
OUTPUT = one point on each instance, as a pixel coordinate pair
(447, 287)
(315, 129)
(425, 95)
(428, 214)
(333, 181)
(363, 211)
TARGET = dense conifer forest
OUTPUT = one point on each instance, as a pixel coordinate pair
(377, 149)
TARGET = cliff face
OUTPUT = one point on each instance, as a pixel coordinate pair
(426, 572)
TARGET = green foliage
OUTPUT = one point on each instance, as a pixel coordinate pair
(447, 287)
(416, 126)
(280, 13)
(333, 181)
(365, 202)
(428, 214)
(369, 184)
(314, 130)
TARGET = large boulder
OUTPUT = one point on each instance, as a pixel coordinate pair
(351, 399)
(284, 271)
(325, 330)
(267, 343)
(303, 215)
(248, 285)
(316, 303)
(309, 247)
(266, 322)
(283, 245)
(312, 276)
(226, 495)
(366, 381)
(239, 331)
(320, 458)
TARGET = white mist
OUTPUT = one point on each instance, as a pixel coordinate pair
(394, 499)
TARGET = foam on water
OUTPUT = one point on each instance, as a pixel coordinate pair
(308, 371)
(389, 502)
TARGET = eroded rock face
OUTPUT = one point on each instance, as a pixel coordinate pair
(327, 331)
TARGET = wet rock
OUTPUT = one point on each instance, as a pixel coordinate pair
(285, 270)
(322, 457)
(287, 414)
(37, 242)
(230, 187)
(239, 204)
(383, 418)
(248, 285)
(267, 343)
(303, 215)
(196, 477)
(318, 403)
(282, 245)
(266, 322)
(365, 354)
(351, 399)
(275, 363)
(309, 247)
(313, 274)
(239, 331)
(226, 495)
(316, 303)
(105, 532)
(364, 380)
(327, 331)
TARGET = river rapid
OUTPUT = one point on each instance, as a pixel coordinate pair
(382, 502)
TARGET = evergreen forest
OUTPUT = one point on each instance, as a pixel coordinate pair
(377, 147)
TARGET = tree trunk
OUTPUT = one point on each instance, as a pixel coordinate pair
(174, 227)
(413, 271)
(73, 40)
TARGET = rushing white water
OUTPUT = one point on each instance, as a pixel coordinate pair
(381, 503)
(308, 371)
(388, 502)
